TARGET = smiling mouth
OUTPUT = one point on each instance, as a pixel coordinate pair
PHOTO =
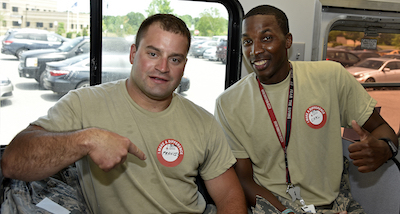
(158, 79)
(261, 62)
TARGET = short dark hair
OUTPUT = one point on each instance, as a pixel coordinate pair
(168, 22)
(280, 16)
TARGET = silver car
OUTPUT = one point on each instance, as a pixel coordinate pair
(376, 70)
(6, 87)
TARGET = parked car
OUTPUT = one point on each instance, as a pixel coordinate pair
(391, 56)
(33, 63)
(17, 41)
(195, 43)
(74, 72)
(364, 54)
(344, 57)
(199, 49)
(221, 50)
(211, 54)
(6, 87)
(376, 70)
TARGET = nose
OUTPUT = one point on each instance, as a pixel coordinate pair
(162, 65)
(257, 48)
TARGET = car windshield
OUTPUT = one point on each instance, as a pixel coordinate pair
(373, 64)
(67, 46)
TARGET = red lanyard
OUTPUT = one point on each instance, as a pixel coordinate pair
(284, 141)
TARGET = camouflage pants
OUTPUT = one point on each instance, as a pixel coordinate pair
(344, 201)
(62, 188)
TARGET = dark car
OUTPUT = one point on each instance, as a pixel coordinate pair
(74, 72)
(199, 49)
(221, 50)
(33, 63)
(342, 56)
(17, 41)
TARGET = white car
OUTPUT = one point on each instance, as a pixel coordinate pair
(376, 70)
(211, 54)
(6, 87)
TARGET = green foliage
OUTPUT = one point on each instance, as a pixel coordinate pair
(211, 23)
(69, 35)
(159, 6)
(396, 41)
(60, 29)
(84, 32)
(188, 20)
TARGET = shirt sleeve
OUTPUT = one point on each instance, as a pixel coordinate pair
(355, 102)
(219, 157)
(65, 115)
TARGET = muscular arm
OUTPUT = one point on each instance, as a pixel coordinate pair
(370, 153)
(244, 170)
(35, 153)
(227, 193)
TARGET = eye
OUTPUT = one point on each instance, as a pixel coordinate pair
(152, 54)
(267, 38)
(176, 60)
(246, 42)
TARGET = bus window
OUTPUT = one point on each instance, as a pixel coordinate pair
(375, 64)
(27, 94)
(204, 77)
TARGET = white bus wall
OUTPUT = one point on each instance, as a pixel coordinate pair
(304, 18)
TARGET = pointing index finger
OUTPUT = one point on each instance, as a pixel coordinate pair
(133, 149)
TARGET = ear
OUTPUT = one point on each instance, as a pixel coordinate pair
(289, 40)
(132, 53)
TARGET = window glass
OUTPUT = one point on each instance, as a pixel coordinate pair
(208, 22)
(25, 100)
(121, 19)
(370, 68)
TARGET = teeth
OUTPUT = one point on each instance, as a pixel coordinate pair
(260, 62)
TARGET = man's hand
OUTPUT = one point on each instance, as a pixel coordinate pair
(108, 149)
(369, 153)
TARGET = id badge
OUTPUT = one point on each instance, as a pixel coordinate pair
(309, 208)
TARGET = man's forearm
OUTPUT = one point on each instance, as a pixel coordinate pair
(35, 154)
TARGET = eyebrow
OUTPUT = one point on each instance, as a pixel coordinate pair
(172, 55)
(263, 31)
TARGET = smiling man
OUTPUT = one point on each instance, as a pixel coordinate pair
(137, 145)
(283, 123)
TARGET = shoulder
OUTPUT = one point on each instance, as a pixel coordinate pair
(243, 86)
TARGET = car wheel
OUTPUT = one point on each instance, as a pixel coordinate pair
(83, 84)
(41, 81)
(370, 80)
(19, 52)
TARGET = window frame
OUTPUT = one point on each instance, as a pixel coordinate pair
(234, 51)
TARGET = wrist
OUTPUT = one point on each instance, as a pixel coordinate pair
(288, 210)
(392, 147)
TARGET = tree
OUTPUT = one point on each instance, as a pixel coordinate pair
(396, 41)
(159, 6)
(211, 23)
(60, 29)
(354, 36)
(188, 20)
(133, 22)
